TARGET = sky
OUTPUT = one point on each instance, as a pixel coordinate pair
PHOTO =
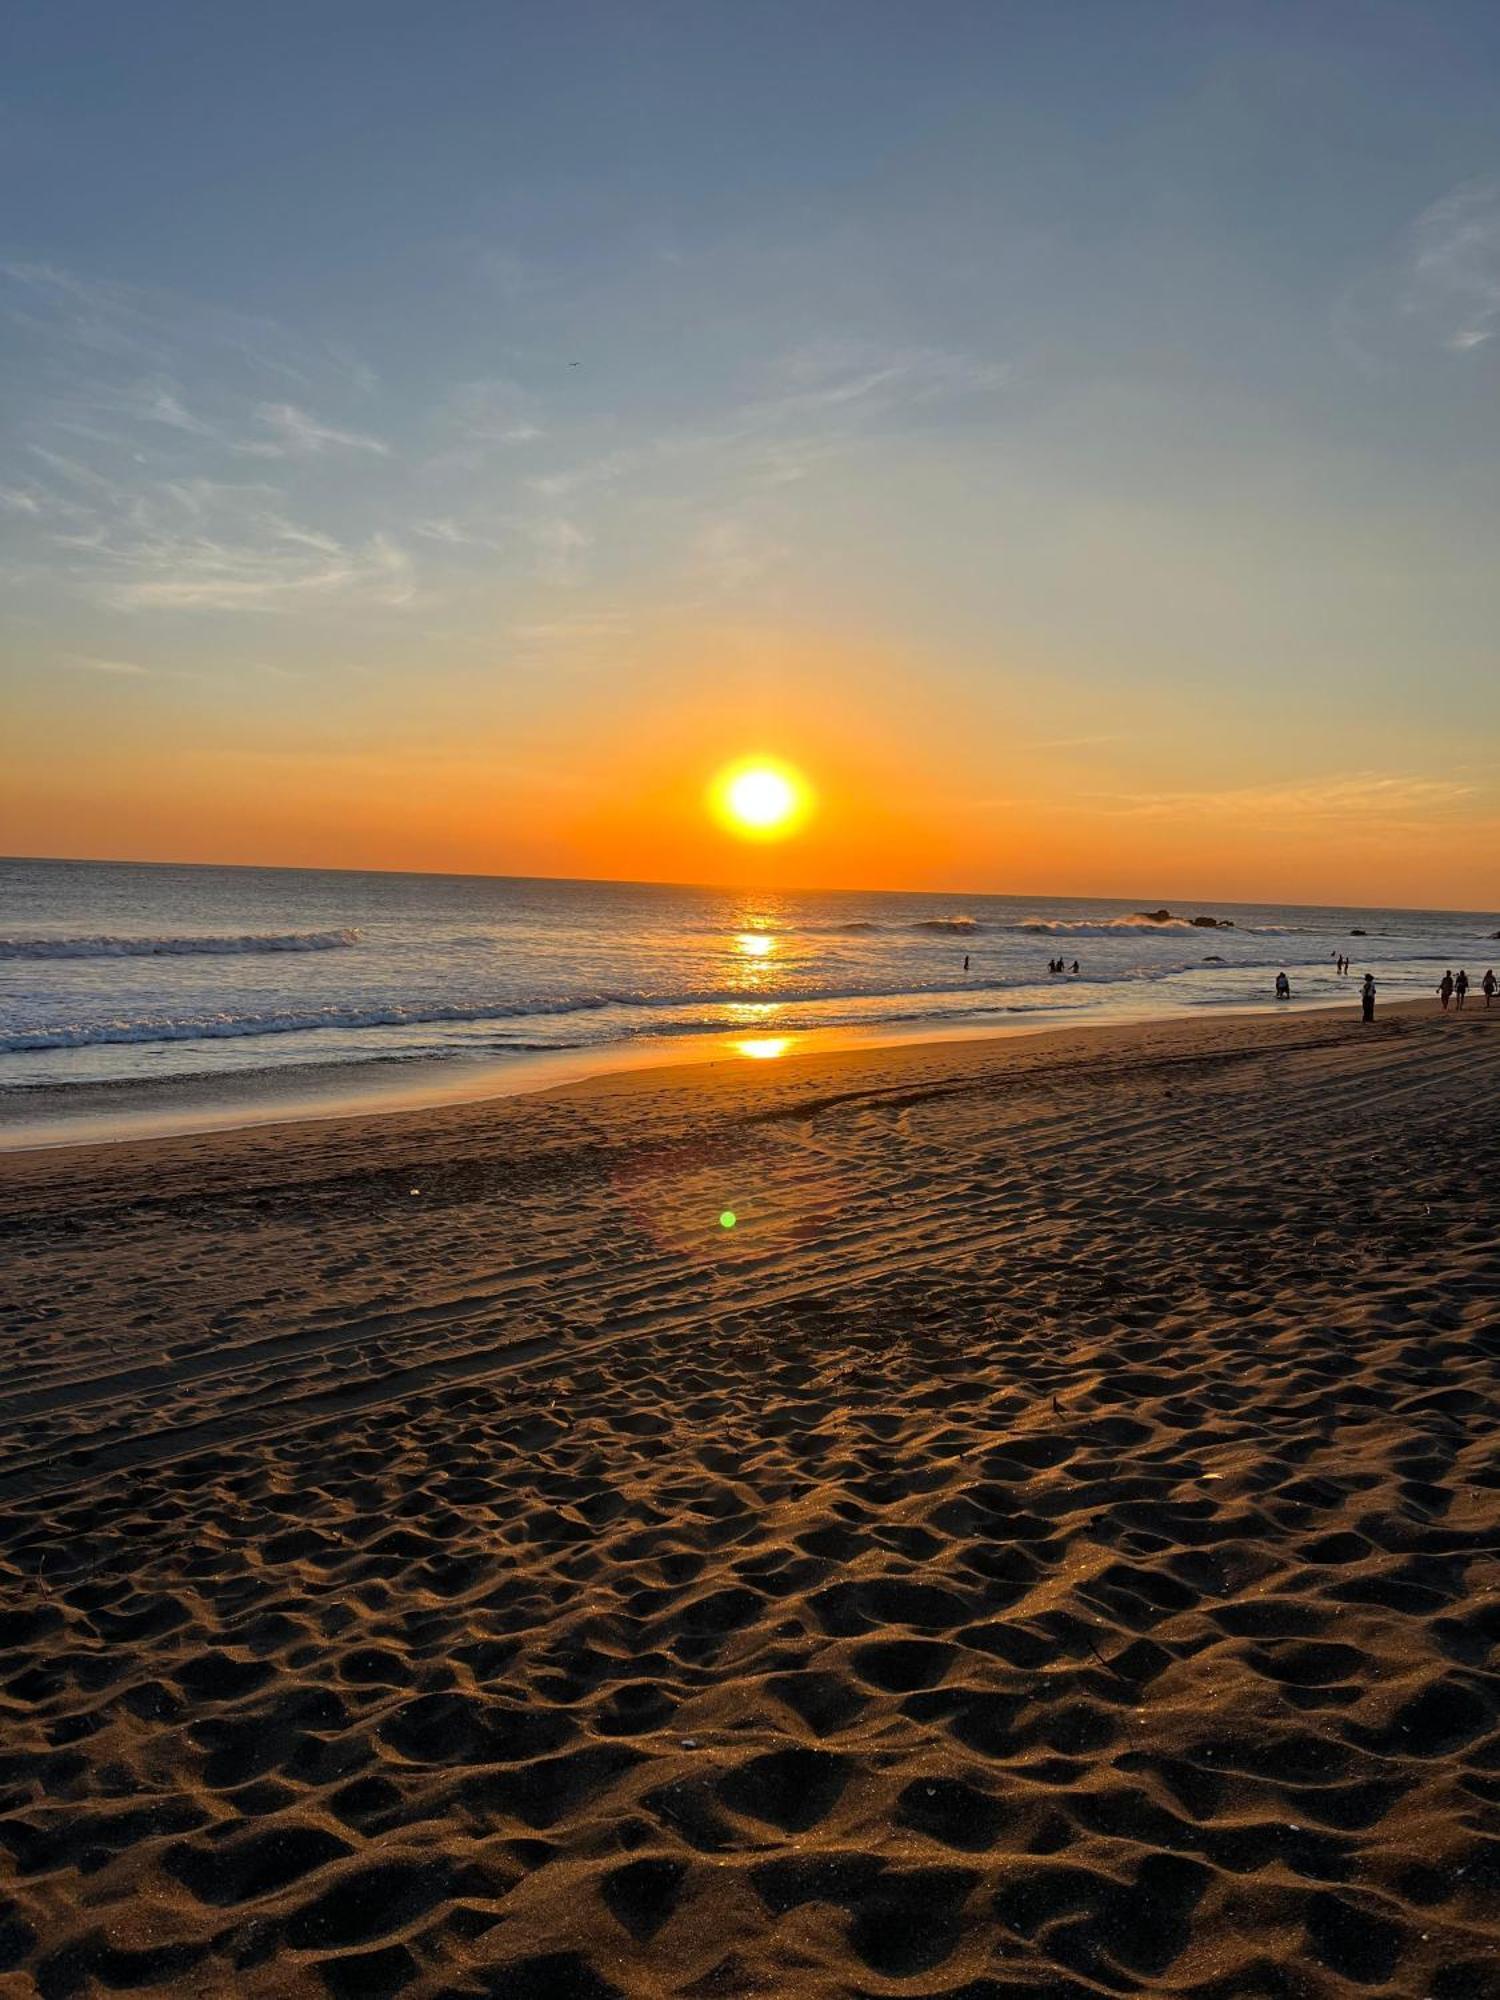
(443, 437)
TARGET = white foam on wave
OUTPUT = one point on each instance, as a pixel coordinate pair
(729, 1005)
(174, 947)
(1104, 927)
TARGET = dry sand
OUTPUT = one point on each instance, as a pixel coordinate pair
(1048, 1548)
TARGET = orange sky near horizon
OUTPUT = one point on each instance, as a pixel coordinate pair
(911, 792)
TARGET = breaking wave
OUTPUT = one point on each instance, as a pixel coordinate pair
(174, 947)
(1112, 926)
(729, 1006)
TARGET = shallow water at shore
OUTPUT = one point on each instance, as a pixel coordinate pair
(140, 985)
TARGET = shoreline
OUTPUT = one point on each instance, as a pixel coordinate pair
(123, 1112)
(733, 1094)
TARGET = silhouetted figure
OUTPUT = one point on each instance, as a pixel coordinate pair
(1075, 965)
(1460, 988)
(1283, 987)
(1487, 986)
(1367, 998)
(966, 961)
(1445, 989)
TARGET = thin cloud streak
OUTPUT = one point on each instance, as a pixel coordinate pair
(195, 575)
(298, 435)
(1384, 795)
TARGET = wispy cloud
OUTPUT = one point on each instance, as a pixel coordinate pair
(1383, 798)
(141, 411)
(295, 434)
(831, 374)
(151, 330)
(126, 668)
(461, 534)
(158, 402)
(730, 553)
(804, 409)
(559, 546)
(1437, 288)
(190, 574)
(1455, 263)
(494, 411)
(583, 630)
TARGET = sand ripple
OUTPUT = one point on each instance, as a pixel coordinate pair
(1049, 1550)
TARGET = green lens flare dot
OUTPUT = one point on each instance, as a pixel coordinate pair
(728, 1219)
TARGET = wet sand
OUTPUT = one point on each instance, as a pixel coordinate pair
(1049, 1546)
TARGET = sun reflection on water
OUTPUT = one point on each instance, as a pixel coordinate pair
(763, 1048)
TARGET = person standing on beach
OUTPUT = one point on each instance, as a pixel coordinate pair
(1461, 989)
(1445, 989)
(1283, 987)
(1367, 998)
(966, 961)
(1487, 986)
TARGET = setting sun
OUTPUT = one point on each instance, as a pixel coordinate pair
(760, 800)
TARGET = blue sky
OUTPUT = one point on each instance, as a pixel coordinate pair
(1108, 390)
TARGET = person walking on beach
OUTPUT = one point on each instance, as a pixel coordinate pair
(1445, 989)
(1367, 998)
(1075, 968)
(1487, 986)
(1460, 989)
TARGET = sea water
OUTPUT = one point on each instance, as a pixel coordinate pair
(112, 972)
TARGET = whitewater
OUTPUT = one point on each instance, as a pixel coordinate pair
(114, 973)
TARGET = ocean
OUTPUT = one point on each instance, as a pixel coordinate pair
(118, 973)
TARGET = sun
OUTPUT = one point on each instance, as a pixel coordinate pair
(760, 799)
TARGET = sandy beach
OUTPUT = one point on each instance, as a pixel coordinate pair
(999, 1520)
